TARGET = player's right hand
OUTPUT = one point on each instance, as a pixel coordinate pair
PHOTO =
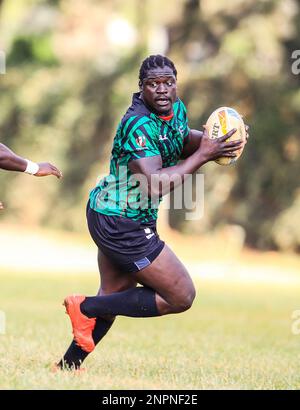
(213, 149)
(1, 206)
(45, 169)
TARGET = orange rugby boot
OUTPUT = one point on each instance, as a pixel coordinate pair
(82, 325)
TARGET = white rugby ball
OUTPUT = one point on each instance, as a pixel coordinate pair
(221, 121)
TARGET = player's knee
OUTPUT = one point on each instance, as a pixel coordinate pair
(189, 299)
(185, 300)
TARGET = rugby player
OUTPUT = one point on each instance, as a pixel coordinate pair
(150, 140)
(12, 162)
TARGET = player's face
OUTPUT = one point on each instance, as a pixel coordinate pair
(159, 90)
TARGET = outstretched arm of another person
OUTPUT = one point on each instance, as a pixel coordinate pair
(12, 162)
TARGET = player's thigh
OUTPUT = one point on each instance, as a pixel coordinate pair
(112, 278)
(168, 277)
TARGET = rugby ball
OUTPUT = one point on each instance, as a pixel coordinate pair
(221, 121)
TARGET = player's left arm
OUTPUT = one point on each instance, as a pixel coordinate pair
(193, 141)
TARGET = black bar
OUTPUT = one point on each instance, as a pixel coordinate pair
(83, 399)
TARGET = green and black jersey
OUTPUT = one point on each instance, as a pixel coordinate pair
(140, 134)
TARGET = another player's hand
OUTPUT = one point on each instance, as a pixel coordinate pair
(213, 149)
(46, 169)
(1, 206)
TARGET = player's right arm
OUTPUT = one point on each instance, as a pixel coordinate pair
(209, 150)
(12, 162)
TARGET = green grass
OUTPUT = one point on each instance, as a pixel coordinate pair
(235, 336)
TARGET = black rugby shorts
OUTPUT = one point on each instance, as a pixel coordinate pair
(130, 245)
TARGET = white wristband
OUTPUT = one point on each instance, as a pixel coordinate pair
(32, 168)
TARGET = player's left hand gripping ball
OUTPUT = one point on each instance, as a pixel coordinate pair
(220, 122)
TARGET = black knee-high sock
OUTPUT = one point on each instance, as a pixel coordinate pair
(135, 302)
(75, 356)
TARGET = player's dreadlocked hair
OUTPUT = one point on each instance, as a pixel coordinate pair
(155, 61)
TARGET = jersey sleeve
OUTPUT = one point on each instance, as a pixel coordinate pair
(139, 138)
(185, 129)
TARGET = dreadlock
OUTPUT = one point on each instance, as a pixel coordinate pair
(155, 61)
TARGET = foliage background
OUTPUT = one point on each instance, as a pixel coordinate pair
(72, 67)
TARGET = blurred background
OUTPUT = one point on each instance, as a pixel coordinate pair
(71, 68)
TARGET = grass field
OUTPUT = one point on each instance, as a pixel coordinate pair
(236, 336)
